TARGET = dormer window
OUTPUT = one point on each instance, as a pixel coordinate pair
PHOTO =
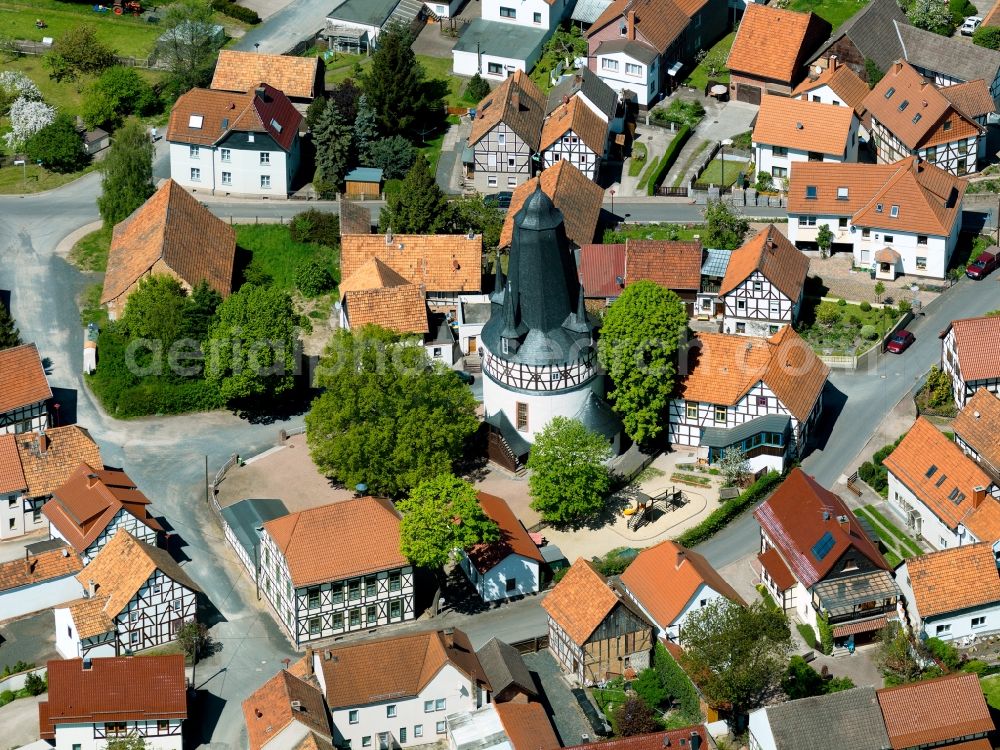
(196, 121)
(842, 194)
(878, 208)
(811, 192)
(894, 211)
(904, 104)
(890, 92)
(947, 125)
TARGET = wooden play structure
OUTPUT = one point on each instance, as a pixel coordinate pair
(642, 513)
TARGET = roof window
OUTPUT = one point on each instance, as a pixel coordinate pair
(894, 211)
(916, 118)
(890, 92)
(811, 192)
(941, 480)
(878, 208)
(276, 125)
(196, 121)
(842, 194)
(930, 472)
(904, 104)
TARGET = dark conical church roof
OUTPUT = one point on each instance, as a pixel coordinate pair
(539, 319)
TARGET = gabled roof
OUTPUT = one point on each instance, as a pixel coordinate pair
(942, 54)
(977, 358)
(848, 719)
(518, 103)
(972, 98)
(773, 43)
(34, 569)
(375, 294)
(269, 709)
(600, 268)
(936, 471)
(722, 368)
(654, 741)
(172, 227)
(437, 262)
(575, 115)
(978, 425)
(587, 83)
(304, 539)
(954, 579)
(803, 125)
(298, 77)
(774, 256)
(394, 667)
(355, 218)
(872, 32)
(658, 22)
(205, 116)
(83, 506)
(806, 523)
(527, 726)
(958, 710)
(633, 48)
(11, 474)
(843, 81)
(913, 108)
(664, 578)
(22, 378)
(514, 539)
(672, 265)
(504, 668)
(582, 600)
(984, 521)
(124, 688)
(49, 458)
(578, 198)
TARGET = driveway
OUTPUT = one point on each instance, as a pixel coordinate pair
(30, 639)
(19, 721)
(294, 23)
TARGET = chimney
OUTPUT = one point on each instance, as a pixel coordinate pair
(448, 634)
(631, 24)
(923, 84)
(328, 655)
(43, 443)
(978, 495)
(296, 705)
(91, 481)
(680, 559)
(897, 66)
(845, 523)
(260, 92)
(771, 244)
(31, 565)
(515, 99)
(975, 414)
(91, 588)
(666, 740)
(834, 62)
(258, 713)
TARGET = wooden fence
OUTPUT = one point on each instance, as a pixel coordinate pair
(38, 49)
(531, 645)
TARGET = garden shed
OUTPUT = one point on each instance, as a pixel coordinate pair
(364, 183)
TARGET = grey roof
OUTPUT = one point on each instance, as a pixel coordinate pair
(518, 444)
(636, 50)
(590, 85)
(440, 331)
(504, 668)
(363, 12)
(843, 596)
(597, 416)
(246, 516)
(848, 719)
(872, 32)
(501, 39)
(942, 54)
(716, 262)
(551, 554)
(475, 312)
(722, 437)
(588, 11)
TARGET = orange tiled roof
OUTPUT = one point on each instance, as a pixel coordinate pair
(172, 227)
(721, 369)
(269, 710)
(518, 103)
(354, 217)
(977, 359)
(304, 538)
(672, 265)
(664, 578)
(984, 521)
(575, 115)
(204, 116)
(803, 125)
(658, 22)
(90, 617)
(978, 425)
(65, 448)
(954, 579)
(936, 471)
(11, 474)
(578, 198)
(46, 566)
(514, 538)
(772, 43)
(972, 98)
(527, 725)
(375, 294)
(771, 253)
(298, 77)
(437, 262)
(931, 712)
(22, 378)
(843, 81)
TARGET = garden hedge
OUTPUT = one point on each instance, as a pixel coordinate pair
(231, 9)
(668, 159)
(729, 510)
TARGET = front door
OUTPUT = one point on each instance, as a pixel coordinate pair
(473, 344)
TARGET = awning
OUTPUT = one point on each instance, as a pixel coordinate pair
(861, 626)
(723, 437)
(467, 156)
(887, 255)
(675, 68)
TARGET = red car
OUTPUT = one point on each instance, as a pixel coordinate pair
(900, 342)
(981, 266)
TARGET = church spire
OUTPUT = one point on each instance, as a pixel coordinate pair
(499, 282)
(577, 321)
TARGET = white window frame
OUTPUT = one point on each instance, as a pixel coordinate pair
(225, 155)
(195, 174)
(227, 178)
(194, 152)
(609, 65)
(265, 158)
(265, 182)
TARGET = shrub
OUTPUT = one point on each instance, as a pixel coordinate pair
(478, 88)
(869, 333)
(35, 685)
(807, 633)
(765, 182)
(825, 634)
(615, 562)
(943, 652)
(939, 388)
(976, 667)
(866, 306)
(231, 9)
(987, 36)
(321, 227)
(905, 306)
(7, 696)
(842, 302)
(729, 510)
(854, 319)
(668, 158)
(827, 314)
(313, 279)
(58, 146)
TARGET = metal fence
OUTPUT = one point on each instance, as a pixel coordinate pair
(671, 192)
(531, 645)
(37, 49)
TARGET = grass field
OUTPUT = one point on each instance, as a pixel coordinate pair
(672, 232)
(12, 180)
(344, 65)
(639, 155)
(900, 546)
(833, 11)
(90, 253)
(699, 76)
(991, 689)
(714, 173)
(276, 254)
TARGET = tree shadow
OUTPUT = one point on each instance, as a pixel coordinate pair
(815, 287)
(62, 407)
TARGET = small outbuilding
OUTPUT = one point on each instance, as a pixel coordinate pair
(507, 567)
(364, 183)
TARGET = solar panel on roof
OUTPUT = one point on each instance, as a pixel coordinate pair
(822, 548)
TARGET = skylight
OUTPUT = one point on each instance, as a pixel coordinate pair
(841, 193)
(822, 548)
(904, 104)
(276, 125)
(894, 211)
(195, 121)
(916, 118)
(890, 92)
(810, 191)
(930, 471)
(878, 208)
(941, 480)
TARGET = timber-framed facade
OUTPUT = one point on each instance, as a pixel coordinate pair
(501, 159)
(963, 389)
(571, 147)
(758, 308)
(957, 157)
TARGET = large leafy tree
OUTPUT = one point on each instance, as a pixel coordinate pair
(638, 348)
(118, 93)
(740, 653)
(127, 173)
(470, 213)
(154, 312)
(895, 656)
(394, 84)
(200, 311)
(58, 146)
(332, 138)
(78, 51)
(931, 15)
(393, 155)
(387, 418)
(726, 228)
(9, 335)
(569, 479)
(189, 44)
(419, 207)
(252, 346)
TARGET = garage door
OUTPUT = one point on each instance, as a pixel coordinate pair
(747, 93)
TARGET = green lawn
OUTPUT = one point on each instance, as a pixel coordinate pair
(899, 544)
(90, 253)
(844, 335)
(639, 154)
(991, 689)
(699, 76)
(714, 173)
(39, 179)
(672, 232)
(276, 254)
(91, 310)
(833, 11)
(343, 65)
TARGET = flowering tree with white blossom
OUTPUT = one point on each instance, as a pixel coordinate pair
(14, 86)
(27, 117)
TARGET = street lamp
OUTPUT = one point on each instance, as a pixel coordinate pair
(256, 46)
(612, 192)
(725, 142)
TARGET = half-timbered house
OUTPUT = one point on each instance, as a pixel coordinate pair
(910, 116)
(869, 34)
(286, 710)
(763, 395)
(818, 562)
(835, 84)
(135, 597)
(762, 288)
(90, 507)
(967, 355)
(24, 389)
(92, 701)
(322, 578)
(946, 60)
(575, 133)
(595, 632)
(506, 134)
(977, 428)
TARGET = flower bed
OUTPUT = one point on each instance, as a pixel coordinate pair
(841, 328)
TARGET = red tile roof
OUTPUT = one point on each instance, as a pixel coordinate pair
(771, 253)
(224, 112)
(657, 22)
(931, 712)
(776, 569)
(799, 514)
(978, 425)
(978, 359)
(269, 709)
(437, 262)
(46, 566)
(954, 579)
(127, 688)
(773, 43)
(514, 539)
(244, 71)
(671, 265)
(11, 474)
(843, 81)
(527, 725)
(654, 741)
(22, 378)
(665, 577)
(518, 103)
(577, 197)
(972, 98)
(49, 459)
(600, 268)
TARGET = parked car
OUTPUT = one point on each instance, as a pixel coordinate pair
(981, 266)
(499, 200)
(900, 342)
(969, 26)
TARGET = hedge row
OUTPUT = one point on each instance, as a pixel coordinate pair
(729, 510)
(668, 159)
(231, 9)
